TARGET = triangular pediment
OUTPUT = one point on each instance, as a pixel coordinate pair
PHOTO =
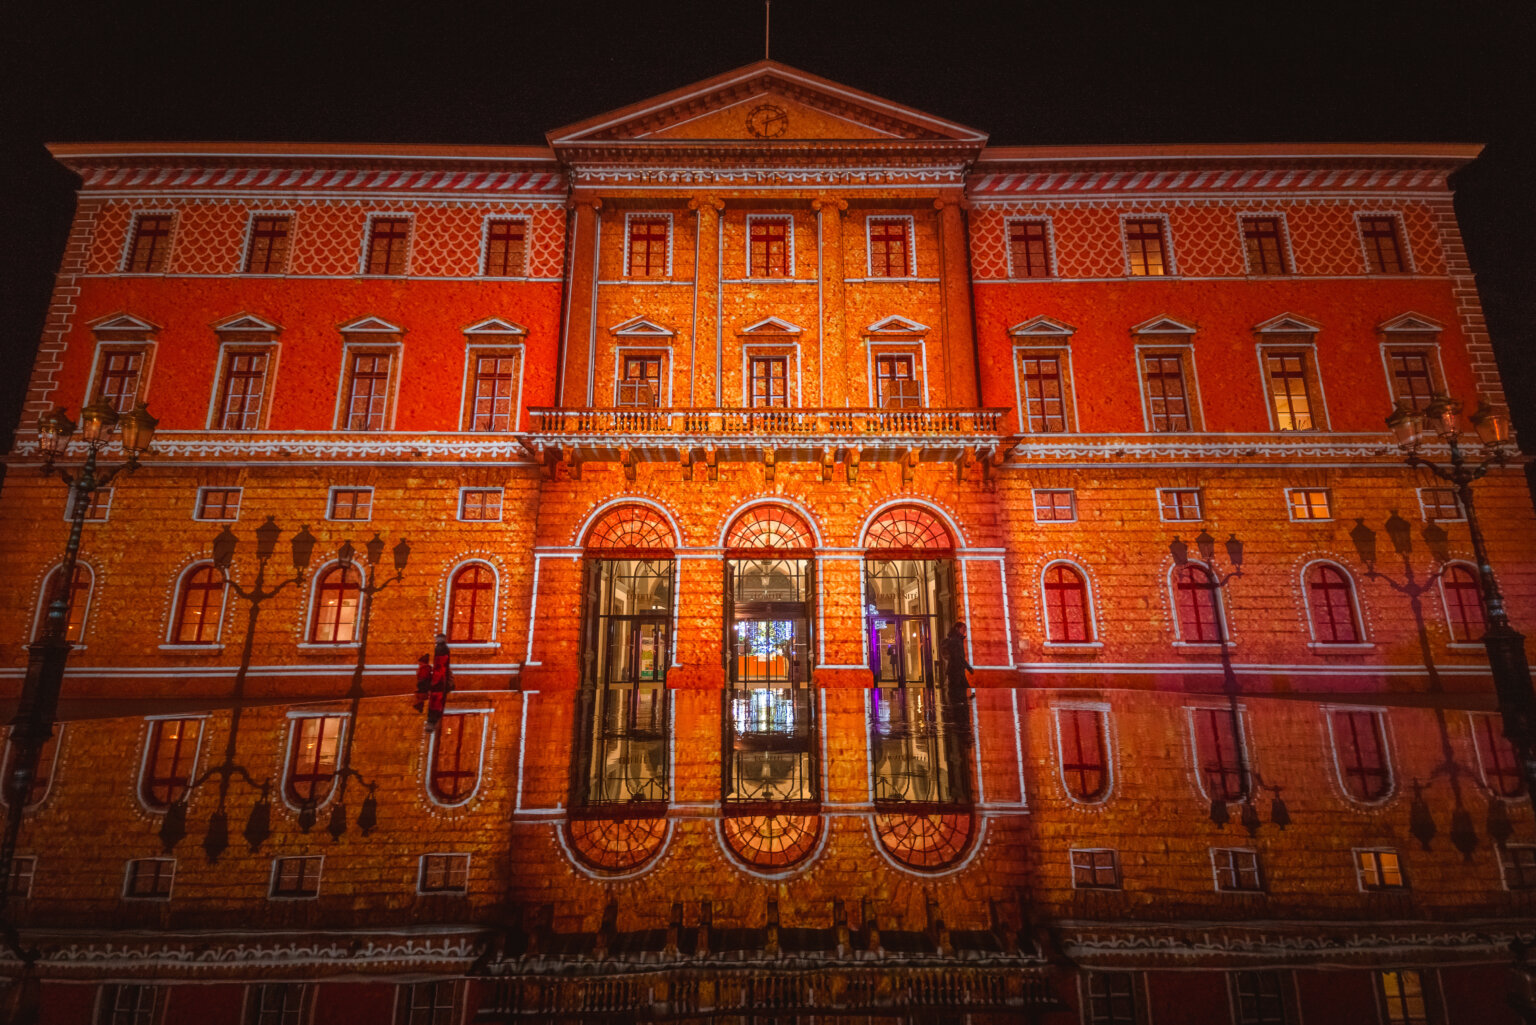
(1412, 322)
(772, 326)
(764, 102)
(495, 326)
(245, 323)
(1288, 324)
(370, 325)
(1163, 326)
(641, 327)
(894, 325)
(1042, 327)
(123, 322)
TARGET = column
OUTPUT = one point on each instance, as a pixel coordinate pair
(960, 382)
(832, 344)
(580, 339)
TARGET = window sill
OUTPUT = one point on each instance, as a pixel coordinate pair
(476, 646)
(1073, 647)
(1317, 647)
(191, 647)
(315, 646)
(1204, 646)
(1477, 647)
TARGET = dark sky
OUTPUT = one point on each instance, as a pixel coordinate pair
(1070, 71)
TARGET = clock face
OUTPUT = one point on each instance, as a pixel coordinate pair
(767, 121)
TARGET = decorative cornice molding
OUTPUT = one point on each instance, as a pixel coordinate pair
(1066, 179)
(372, 176)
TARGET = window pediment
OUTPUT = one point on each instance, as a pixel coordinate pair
(124, 324)
(897, 325)
(495, 326)
(641, 327)
(245, 324)
(1163, 326)
(1042, 327)
(1410, 323)
(772, 326)
(370, 325)
(1287, 324)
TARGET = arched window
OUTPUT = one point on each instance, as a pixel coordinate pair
(472, 605)
(1360, 744)
(169, 760)
(455, 764)
(769, 527)
(314, 748)
(1332, 601)
(1496, 755)
(1084, 756)
(45, 765)
(79, 602)
(1218, 754)
(909, 528)
(1194, 592)
(630, 527)
(1463, 604)
(337, 597)
(1067, 620)
(199, 606)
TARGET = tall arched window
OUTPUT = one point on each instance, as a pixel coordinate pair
(1194, 591)
(1496, 756)
(472, 605)
(1361, 747)
(455, 761)
(169, 760)
(1463, 604)
(314, 751)
(338, 595)
(1331, 598)
(1084, 752)
(79, 601)
(46, 760)
(1067, 619)
(1219, 758)
(618, 809)
(199, 606)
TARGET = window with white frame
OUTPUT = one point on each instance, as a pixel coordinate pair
(640, 380)
(353, 504)
(296, 878)
(218, 505)
(647, 245)
(770, 246)
(268, 243)
(149, 244)
(444, 873)
(1055, 505)
(368, 389)
(896, 381)
(1237, 870)
(149, 879)
(1095, 869)
(1309, 503)
(1029, 248)
(1111, 998)
(387, 247)
(1180, 505)
(480, 505)
(890, 247)
(506, 247)
(1381, 236)
(1258, 998)
(121, 372)
(1147, 252)
(1043, 391)
(97, 509)
(23, 871)
(1440, 505)
(1380, 869)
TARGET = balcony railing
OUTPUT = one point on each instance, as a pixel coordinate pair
(630, 421)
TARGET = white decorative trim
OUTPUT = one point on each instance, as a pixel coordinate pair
(495, 326)
(1410, 322)
(124, 322)
(1164, 325)
(1289, 324)
(771, 326)
(1042, 327)
(896, 325)
(641, 327)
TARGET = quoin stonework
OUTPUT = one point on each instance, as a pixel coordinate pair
(696, 430)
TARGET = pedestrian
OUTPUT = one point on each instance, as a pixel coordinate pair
(955, 665)
(441, 684)
(423, 679)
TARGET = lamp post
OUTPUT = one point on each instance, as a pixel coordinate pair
(47, 657)
(1505, 645)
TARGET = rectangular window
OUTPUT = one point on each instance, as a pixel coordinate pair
(640, 383)
(428, 1003)
(1288, 392)
(1095, 870)
(296, 877)
(1111, 998)
(368, 391)
(1259, 998)
(1412, 380)
(769, 381)
(896, 384)
(1180, 504)
(1440, 504)
(267, 251)
(351, 504)
(96, 510)
(1402, 996)
(276, 1003)
(149, 879)
(387, 241)
(1218, 754)
(1146, 249)
(129, 1005)
(117, 382)
(444, 873)
(889, 247)
(768, 247)
(218, 504)
(1029, 254)
(151, 245)
(1040, 387)
(1519, 864)
(1380, 870)
(1264, 244)
(648, 246)
(23, 870)
(1237, 870)
(1383, 245)
(506, 248)
(1167, 400)
(480, 504)
(1055, 506)
(495, 393)
(244, 386)
(1309, 504)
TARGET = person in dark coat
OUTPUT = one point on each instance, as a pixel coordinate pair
(440, 684)
(955, 664)
(423, 679)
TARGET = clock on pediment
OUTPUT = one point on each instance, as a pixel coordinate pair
(767, 121)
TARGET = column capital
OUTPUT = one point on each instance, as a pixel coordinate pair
(828, 203)
(714, 203)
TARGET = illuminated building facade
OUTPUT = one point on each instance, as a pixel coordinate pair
(696, 430)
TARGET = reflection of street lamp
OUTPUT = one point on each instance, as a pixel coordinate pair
(1505, 645)
(35, 713)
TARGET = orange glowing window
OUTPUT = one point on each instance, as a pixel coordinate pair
(1066, 606)
(925, 841)
(267, 251)
(480, 504)
(769, 527)
(889, 247)
(896, 385)
(218, 504)
(169, 760)
(1402, 994)
(632, 528)
(1055, 506)
(1084, 766)
(768, 242)
(771, 841)
(1380, 870)
(1383, 245)
(1028, 250)
(199, 606)
(1146, 249)
(151, 245)
(1361, 748)
(1309, 504)
(388, 238)
(648, 246)
(1218, 754)
(149, 879)
(1263, 242)
(1288, 392)
(337, 597)
(296, 877)
(1331, 598)
(505, 248)
(456, 757)
(1195, 597)
(910, 528)
(314, 751)
(472, 605)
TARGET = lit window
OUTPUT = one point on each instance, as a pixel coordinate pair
(368, 391)
(151, 245)
(1218, 754)
(1237, 870)
(245, 382)
(296, 877)
(129, 1005)
(79, 602)
(1263, 243)
(267, 251)
(314, 746)
(768, 242)
(1379, 870)
(896, 385)
(149, 879)
(506, 250)
(117, 383)
(1066, 606)
(1040, 384)
(1095, 870)
(1464, 604)
(1309, 504)
(769, 381)
(1331, 599)
(1146, 249)
(23, 871)
(444, 873)
(45, 764)
(1084, 766)
(1288, 391)
(648, 246)
(1496, 756)
(1402, 993)
(1195, 599)
(472, 605)
(169, 760)
(337, 596)
(1413, 382)
(1055, 506)
(1383, 245)
(351, 504)
(1111, 998)
(1180, 504)
(1519, 862)
(1361, 747)
(387, 241)
(218, 504)
(199, 606)
(1167, 398)
(1028, 250)
(428, 1003)
(480, 504)
(1440, 505)
(640, 383)
(276, 1003)
(1258, 998)
(889, 248)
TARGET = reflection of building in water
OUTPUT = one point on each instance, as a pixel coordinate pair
(697, 430)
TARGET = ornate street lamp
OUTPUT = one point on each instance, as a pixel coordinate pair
(1505, 645)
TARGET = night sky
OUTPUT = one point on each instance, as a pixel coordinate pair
(1027, 73)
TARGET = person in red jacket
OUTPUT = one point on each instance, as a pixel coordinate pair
(441, 683)
(423, 679)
